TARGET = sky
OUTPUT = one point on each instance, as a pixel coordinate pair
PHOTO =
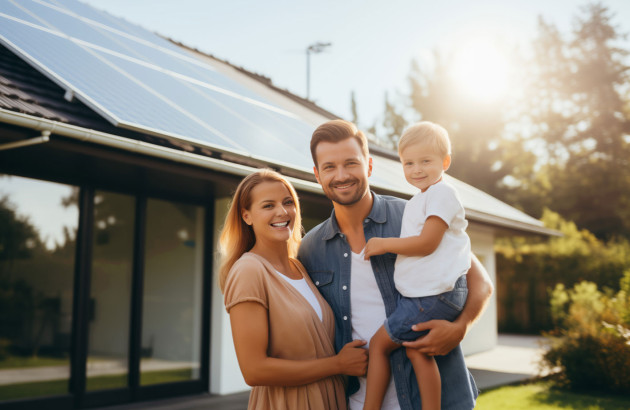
(372, 42)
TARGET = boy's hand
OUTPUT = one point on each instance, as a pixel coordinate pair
(375, 246)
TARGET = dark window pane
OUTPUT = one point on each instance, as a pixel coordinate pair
(38, 225)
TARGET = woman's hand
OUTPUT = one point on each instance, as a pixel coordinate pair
(353, 358)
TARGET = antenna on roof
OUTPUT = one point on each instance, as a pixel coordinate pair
(313, 48)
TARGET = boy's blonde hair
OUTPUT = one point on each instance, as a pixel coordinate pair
(426, 132)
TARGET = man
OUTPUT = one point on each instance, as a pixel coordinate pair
(362, 293)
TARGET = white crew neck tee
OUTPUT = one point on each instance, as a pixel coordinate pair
(367, 315)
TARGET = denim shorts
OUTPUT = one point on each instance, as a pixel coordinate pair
(409, 311)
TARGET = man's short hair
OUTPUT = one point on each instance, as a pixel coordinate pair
(335, 131)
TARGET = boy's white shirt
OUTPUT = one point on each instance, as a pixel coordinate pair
(368, 314)
(417, 276)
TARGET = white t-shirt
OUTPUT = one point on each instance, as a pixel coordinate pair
(417, 276)
(368, 314)
(301, 286)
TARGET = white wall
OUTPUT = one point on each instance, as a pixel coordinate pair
(483, 335)
(225, 375)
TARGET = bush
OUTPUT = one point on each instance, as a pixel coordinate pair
(527, 268)
(591, 342)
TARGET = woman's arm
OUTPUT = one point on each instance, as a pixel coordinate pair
(418, 245)
(250, 333)
(444, 336)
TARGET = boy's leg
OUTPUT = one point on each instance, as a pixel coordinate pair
(428, 376)
(381, 346)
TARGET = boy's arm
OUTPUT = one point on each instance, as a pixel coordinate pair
(444, 336)
(419, 245)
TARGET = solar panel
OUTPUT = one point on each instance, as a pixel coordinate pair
(138, 80)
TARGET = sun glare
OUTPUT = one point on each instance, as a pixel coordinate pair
(481, 71)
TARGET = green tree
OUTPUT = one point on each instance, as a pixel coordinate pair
(576, 109)
(18, 237)
(394, 122)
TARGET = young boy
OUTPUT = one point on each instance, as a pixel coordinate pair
(433, 258)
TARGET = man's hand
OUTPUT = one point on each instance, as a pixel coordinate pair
(375, 246)
(443, 337)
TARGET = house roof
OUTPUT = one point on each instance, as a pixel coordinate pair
(25, 90)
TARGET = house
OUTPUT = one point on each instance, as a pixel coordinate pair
(119, 152)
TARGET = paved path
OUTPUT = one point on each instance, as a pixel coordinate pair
(514, 359)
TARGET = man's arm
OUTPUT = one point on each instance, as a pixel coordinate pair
(444, 336)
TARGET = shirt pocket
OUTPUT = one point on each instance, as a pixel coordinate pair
(321, 278)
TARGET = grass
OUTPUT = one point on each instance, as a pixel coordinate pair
(16, 362)
(541, 395)
(55, 387)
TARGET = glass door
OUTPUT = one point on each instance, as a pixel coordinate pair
(172, 293)
(110, 291)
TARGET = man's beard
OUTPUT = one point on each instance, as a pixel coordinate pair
(359, 192)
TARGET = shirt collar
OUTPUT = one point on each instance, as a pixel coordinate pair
(378, 214)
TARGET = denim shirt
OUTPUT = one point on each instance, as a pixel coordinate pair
(325, 253)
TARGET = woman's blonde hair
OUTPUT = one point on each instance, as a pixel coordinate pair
(237, 237)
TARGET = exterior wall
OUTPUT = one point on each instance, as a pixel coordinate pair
(483, 335)
(225, 375)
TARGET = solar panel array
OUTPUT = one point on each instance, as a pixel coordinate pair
(138, 80)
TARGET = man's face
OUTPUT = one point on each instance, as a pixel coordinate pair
(343, 171)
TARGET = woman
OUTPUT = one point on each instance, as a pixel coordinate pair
(283, 330)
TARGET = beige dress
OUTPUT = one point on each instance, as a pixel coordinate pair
(295, 333)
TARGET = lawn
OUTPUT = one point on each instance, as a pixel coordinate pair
(540, 395)
(55, 387)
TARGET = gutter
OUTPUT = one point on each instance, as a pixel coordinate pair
(140, 147)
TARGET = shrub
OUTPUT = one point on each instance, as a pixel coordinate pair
(591, 342)
(527, 268)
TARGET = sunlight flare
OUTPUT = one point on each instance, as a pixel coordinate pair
(481, 71)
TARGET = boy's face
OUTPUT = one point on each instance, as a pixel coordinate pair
(343, 171)
(423, 166)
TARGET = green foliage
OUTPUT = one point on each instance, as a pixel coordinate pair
(558, 139)
(394, 123)
(528, 268)
(575, 111)
(591, 341)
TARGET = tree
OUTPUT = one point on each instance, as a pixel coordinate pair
(353, 108)
(394, 122)
(579, 125)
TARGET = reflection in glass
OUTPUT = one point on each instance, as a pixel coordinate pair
(38, 225)
(171, 313)
(110, 293)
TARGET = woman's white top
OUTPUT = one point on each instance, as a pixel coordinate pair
(417, 276)
(301, 286)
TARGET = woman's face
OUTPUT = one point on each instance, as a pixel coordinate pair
(272, 213)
